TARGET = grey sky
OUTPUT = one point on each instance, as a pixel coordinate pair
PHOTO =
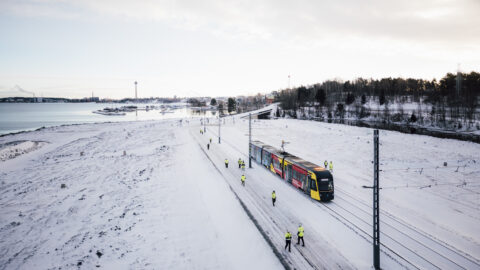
(70, 48)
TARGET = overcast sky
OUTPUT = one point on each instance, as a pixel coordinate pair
(226, 48)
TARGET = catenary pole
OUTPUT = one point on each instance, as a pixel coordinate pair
(376, 202)
(219, 122)
(249, 140)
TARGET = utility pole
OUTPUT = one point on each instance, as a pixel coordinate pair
(136, 91)
(249, 140)
(204, 120)
(219, 122)
(458, 80)
(376, 202)
(459, 87)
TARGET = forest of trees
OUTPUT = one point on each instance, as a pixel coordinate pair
(442, 102)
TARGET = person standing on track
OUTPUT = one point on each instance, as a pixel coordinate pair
(288, 241)
(325, 163)
(243, 179)
(210, 140)
(300, 235)
(239, 163)
(243, 165)
(226, 163)
(208, 146)
(331, 166)
(274, 197)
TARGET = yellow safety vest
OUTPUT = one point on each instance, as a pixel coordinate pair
(288, 236)
(331, 165)
(274, 195)
(243, 178)
(300, 231)
(226, 161)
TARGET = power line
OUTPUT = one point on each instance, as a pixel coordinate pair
(420, 169)
(429, 185)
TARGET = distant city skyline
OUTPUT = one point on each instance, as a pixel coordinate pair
(226, 48)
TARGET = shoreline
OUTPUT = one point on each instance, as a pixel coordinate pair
(77, 124)
(62, 125)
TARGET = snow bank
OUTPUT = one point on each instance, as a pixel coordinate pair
(16, 148)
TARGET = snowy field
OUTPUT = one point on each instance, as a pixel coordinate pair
(159, 206)
(169, 203)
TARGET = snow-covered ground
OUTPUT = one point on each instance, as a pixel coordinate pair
(159, 206)
(169, 203)
(16, 148)
(430, 212)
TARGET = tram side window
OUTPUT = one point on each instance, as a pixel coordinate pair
(276, 164)
(268, 159)
(303, 178)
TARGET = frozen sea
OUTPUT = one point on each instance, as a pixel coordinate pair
(16, 117)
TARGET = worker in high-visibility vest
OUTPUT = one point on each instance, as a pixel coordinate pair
(288, 241)
(325, 163)
(239, 163)
(274, 197)
(226, 163)
(331, 166)
(300, 235)
(243, 179)
(210, 140)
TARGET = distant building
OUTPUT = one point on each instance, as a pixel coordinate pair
(269, 98)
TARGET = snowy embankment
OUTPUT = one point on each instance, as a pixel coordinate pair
(17, 148)
(81, 202)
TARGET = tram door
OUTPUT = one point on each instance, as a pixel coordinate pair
(307, 185)
(289, 173)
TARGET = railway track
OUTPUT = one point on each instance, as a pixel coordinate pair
(268, 227)
(420, 243)
(401, 241)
